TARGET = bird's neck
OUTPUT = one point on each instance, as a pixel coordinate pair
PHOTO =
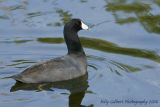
(73, 43)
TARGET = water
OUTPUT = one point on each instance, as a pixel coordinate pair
(122, 48)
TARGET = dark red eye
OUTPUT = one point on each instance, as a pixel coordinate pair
(78, 23)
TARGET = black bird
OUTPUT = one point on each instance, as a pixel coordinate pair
(67, 67)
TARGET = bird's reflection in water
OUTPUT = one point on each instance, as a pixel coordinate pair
(77, 88)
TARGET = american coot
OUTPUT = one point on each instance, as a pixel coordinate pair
(70, 66)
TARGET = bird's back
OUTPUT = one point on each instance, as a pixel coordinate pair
(58, 69)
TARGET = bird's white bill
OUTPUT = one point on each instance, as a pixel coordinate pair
(84, 26)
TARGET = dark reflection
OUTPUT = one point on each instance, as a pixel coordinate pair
(35, 14)
(11, 8)
(16, 63)
(22, 41)
(16, 41)
(126, 20)
(8, 11)
(92, 66)
(106, 46)
(77, 88)
(135, 12)
(4, 17)
(116, 67)
(150, 22)
(124, 67)
(51, 40)
(30, 16)
(156, 2)
(137, 7)
(65, 16)
(83, 1)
